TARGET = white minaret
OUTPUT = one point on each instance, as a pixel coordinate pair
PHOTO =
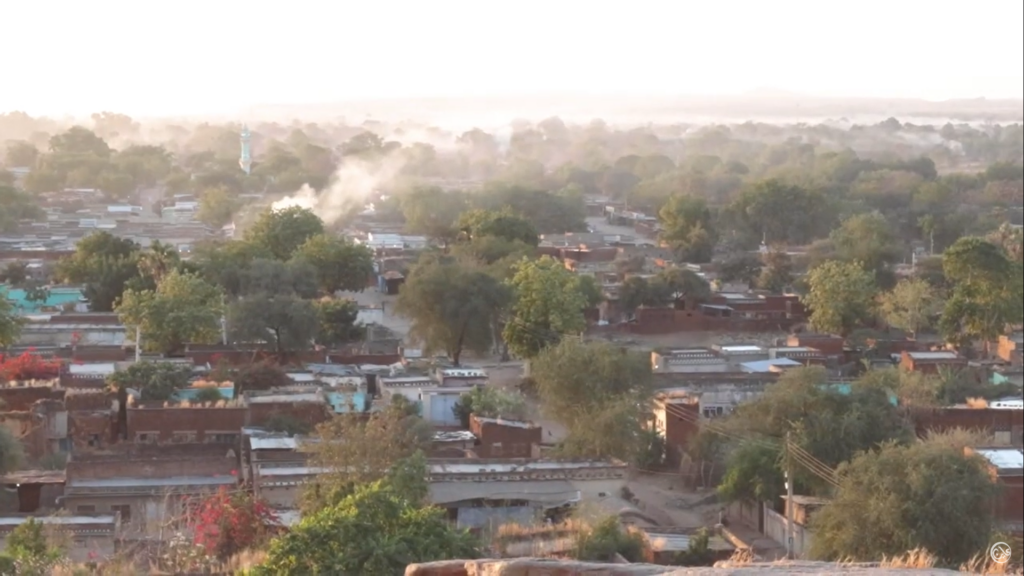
(245, 160)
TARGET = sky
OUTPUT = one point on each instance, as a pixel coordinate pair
(217, 56)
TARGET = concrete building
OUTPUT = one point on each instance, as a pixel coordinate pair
(497, 438)
(687, 360)
(932, 362)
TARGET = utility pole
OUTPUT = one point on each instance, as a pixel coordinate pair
(223, 324)
(138, 343)
(789, 500)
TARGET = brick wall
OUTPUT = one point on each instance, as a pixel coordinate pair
(312, 413)
(987, 419)
(1011, 500)
(358, 359)
(670, 320)
(21, 398)
(91, 429)
(93, 381)
(182, 425)
(679, 431)
(499, 440)
(219, 465)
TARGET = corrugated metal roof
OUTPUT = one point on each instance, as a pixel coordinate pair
(552, 492)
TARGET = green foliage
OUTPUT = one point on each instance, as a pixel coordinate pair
(776, 271)
(503, 224)
(780, 213)
(452, 306)
(698, 552)
(490, 402)
(282, 232)
(12, 453)
(287, 425)
(754, 473)
(30, 551)
(912, 305)
(10, 323)
(209, 394)
(338, 322)
(600, 393)
(652, 450)
(988, 291)
(548, 304)
(183, 309)
(217, 206)
(433, 212)
(607, 538)
(687, 227)
(17, 206)
(841, 296)
(743, 267)
(260, 376)
(886, 505)
(156, 381)
(104, 264)
(287, 323)
(593, 295)
(374, 531)
(867, 239)
(339, 263)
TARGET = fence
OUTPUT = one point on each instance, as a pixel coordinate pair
(775, 528)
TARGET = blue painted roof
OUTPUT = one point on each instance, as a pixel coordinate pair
(765, 365)
(343, 402)
(190, 393)
(845, 388)
(58, 296)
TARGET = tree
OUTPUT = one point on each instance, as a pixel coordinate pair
(10, 324)
(286, 322)
(987, 291)
(20, 154)
(376, 530)
(18, 206)
(777, 270)
(184, 308)
(260, 376)
(912, 305)
(338, 322)
(547, 305)
(156, 381)
(676, 286)
(433, 212)
(231, 522)
(775, 212)
(451, 306)
(599, 392)
(355, 450)
(841, 296)
(217, 206)
(753, 473)
(687, 226)
(502, 224)
(16, 273)
(885, 505)
(592, 292)
(490, 402)
(868, 239)
(282, 232)
(339, 263)
(824, 422)
(105, 264)
(606, 539)
(743, 267)
(30, 551)
(228, 264)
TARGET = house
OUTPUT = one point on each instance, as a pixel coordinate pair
(488, 492)
(497, 438)
(677, 419)
(305, 405)
(803, 507)
(1006, 466)
(687, 360)
(92, 536)
(37, 490)
(1005, 424)
(148, 488)
(932, 362)
(1009, 348)
(827, 344)
(665, 545)
(436, 401)
(185, 423)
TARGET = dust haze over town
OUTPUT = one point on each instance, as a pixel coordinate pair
(594, 282)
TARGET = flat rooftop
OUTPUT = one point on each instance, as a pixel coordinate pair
(129, 482)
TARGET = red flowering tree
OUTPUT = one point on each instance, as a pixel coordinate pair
(227, 523)
(28, 366)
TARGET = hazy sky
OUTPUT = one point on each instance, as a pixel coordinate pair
(190, 56)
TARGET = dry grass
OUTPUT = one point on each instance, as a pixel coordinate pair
(918, 558)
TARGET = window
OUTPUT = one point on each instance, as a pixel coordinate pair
(221, 438)
(183, 437)
(94, 440)
(496, 449)
(146, 437)
(85, 509)
(123, 512)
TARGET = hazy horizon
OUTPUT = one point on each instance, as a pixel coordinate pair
(229, 56)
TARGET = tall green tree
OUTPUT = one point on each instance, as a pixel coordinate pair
(868, 239)
(776, 271)
(339, 263)
(376, 530)
(183, 309)
(10, 324)
(217, 206)
(547, 305)
(598, 392)
(18, 206)
(503, 224)
(841, 296)
(988, 291)
(434, 213)
(687, 226)
(104, 264)
(885, 506)
(156, 381)
(912, 305)
(452, 306)
(338, 322)
(282, 232)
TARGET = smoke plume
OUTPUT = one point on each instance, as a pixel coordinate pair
(350, 188)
